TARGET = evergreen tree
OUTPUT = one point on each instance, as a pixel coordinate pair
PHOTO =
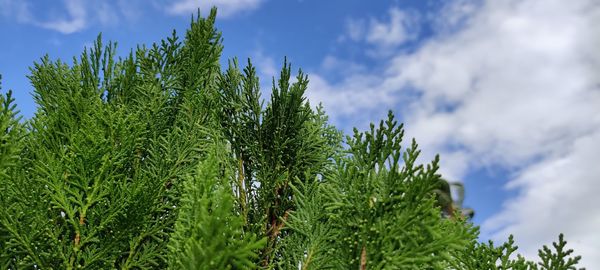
(161, 160)
(285, 142)
(379, 214)
(101, 163)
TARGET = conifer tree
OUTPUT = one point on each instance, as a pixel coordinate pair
(379, 214)
(102, 161)
(279, 145)
(162, 160)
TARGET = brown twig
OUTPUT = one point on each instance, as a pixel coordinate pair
(241, 187)
(363, 258)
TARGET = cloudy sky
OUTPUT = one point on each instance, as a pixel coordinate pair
(507, 91)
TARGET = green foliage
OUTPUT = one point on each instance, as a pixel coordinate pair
(101, 163)
(11, 132)
(560, 260)
(377, 215)
(311, 245)
(10, 144)
(487, 256)
(375, 204)
(276, 145)
(207, 204)
(159, 160)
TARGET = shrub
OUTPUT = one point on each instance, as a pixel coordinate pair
(160, 160)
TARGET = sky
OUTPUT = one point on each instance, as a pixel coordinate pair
(506, 91)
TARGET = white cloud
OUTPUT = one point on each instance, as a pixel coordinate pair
(398, 30)
(358, 97)
(72, 15)
(226, 8)
(75, 22)
(455, 15)
(355, 29)
(266, 70)
(507, 83)
(107, 14)
(265, 65)
(18, 9)
(399, 27)
(337, 66)
(557, 195)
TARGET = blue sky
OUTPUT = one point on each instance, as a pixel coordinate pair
(506, 91)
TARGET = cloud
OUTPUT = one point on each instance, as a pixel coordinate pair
(398, 30)
(266, 70)
(556, 196)
(455, 15)
(508, 84)
(332, 64)
(75, 22)
(18, 9)
(265, 65)
(72, 16)
(399, 27)
(227, 8)
(355, 29)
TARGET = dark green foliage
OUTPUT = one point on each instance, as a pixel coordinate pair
(487, 256)
(11, 132)
(275, 146)
(159, 160)
(560, 260)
